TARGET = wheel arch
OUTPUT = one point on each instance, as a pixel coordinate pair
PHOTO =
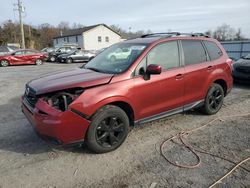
(223, 84)
(121, 103)
(127, 108)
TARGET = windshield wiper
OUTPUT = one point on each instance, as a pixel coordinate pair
(93, 69)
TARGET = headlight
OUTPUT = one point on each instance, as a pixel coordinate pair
(62, 99)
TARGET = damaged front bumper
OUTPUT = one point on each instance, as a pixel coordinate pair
(62, 127)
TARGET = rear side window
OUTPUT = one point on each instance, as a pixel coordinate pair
(213, 50)
(193, 52)
(166, 55)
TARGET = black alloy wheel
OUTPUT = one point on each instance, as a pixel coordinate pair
(214, 99)
(108, 129)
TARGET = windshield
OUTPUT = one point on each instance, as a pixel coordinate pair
(247, 56)
(116, 59)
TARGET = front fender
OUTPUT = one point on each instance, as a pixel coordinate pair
(94, 98)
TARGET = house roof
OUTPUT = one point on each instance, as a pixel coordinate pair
(73, 32)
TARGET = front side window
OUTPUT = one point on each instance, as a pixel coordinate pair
(213, 50)
(19, 53)
(117, 58)
(141, 68)
(166, 55)
(193, 52)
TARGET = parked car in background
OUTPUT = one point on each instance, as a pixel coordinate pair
(48, 49)
(158, 75)
(19, 57)
(7, 49)
(119, 54)
(100, 51)
(59, 51)
(76, 56)
(241, 69)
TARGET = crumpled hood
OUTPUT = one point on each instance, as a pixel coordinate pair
(78, 77)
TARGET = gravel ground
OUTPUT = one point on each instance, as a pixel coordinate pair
(27, 161)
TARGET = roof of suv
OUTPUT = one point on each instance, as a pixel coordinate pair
(149, 38)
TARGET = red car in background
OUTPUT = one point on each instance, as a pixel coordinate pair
(20, 57)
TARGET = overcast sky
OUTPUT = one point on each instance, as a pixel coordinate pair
(156, 15)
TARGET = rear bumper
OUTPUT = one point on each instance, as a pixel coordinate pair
(53, 125)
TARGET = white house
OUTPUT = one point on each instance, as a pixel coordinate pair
(89, 38)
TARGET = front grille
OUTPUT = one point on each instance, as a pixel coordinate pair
(243, 69)
(30, 96)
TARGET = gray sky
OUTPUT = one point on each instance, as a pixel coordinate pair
(156, 15)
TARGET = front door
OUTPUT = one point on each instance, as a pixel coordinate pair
(164, 92)
(18, 58)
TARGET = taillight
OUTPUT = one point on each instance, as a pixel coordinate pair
(230, 63)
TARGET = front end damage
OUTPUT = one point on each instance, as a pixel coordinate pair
(52, 118)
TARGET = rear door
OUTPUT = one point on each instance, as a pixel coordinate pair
(30, 56)
(197, 70)
(163, 92)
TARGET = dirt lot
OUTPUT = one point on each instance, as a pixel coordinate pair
(27, 161)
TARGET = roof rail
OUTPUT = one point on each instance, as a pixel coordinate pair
(171, 34)
(160, 34)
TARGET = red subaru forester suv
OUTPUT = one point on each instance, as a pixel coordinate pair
(132, 82)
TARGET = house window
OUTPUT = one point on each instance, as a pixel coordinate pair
(76, 39)
(67, 39)
(56, 41)
(107, 39)
(99, 39)
(64, 39)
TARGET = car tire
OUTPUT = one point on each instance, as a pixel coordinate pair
(108, 129)
(214, 99)
(52, 58)
(69, 60)
(4, 63)
(112, 58)
(38, 62)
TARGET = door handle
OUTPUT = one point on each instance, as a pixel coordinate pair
(179, 76)
(209, 67)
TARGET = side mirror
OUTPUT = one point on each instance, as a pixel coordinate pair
(153, 69)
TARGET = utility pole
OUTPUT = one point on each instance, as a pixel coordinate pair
(20, 11)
